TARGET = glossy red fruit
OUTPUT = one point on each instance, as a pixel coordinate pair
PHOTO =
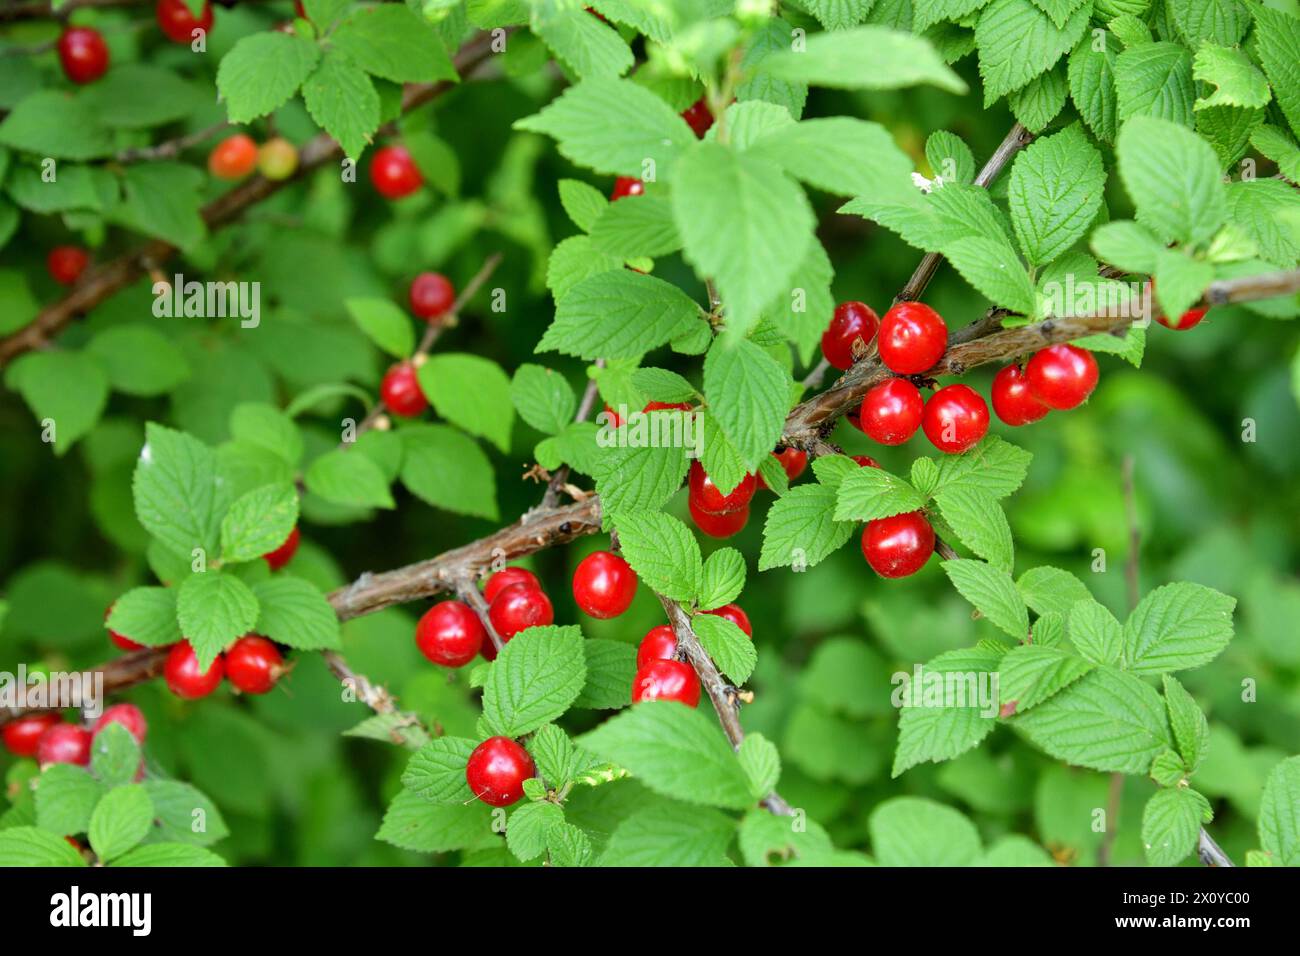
(707, 498)
(66, 263)
(22, 736)
(615, 419)
(604, 584)
(718, 526)
(234, 157)
(518, 608)
(400, 391)
(432, 295)
(253, 664)
(793, 461)
(898, 546)
(450, 634)
(178, 23)
(626, 186)
(506, 577)
(666, 680)
(284, 554)
(1012, 400)
(1185, 321)
(913, 337)
(497, 770)
(866, 461)
(698, 117)
(852, 321)
(667, 407)
(736, 615)
(64, 743)
(394, 173)
(83, 54)
(891, 412)
(1062, 376)
(184, 677)
(128, 715)
(659, 644)
(956, 417)
(120, 641)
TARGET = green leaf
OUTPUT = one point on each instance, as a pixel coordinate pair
(529, 826)
(724, 578)
(169, 855)
(114, 756)
(1128, 246)
(980, 523)
(935, 725)
(990, 264)
(1237, 81)
(1177, 627)
(384, 324)
(213, 609)
(267, 427)
(618, 315)
(829, 154)
(139, 360)
(636, 226)
(448, 470)
(28, 846)
(162, 200)
(120, 821)
(869, 493)
(1191, 730)
(138, 96)
(835, 60)
(66, 391)
(52, 123)
(674, 750)
(662, 551)
(748, 392)
(295, 613)
(638, 477)
(1279, 814)
(761, 762)
(413, 823)
(1278, 44)
(770, 39)
(1095, 633)
(730, 647)
(343, 101)
(347, 477)
(1039, 101)
(1017, 42)
(992, 592)
(1091, 76)
(1259, 207)
(581, 41)
(1050, 590)
(543, 398)
(175, 488)
(1030, 674)
(801, 528)
(258, 521)
(1056, 190)
(554, 754)
(262, 71)
(1155, 80)
(914, 831)
(184, 815)
(948, 155)
(568, 846)
(611, 668)
(1171, 822)
(668, 834)
(661, 385)
(583, 203)
(1219, 21)
(393, 42)
(437, 770)
(65, 798)
(147, 616)
(534, 680)
(471, 392)
(994, 466)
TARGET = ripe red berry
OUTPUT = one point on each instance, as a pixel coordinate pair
(736, 615)
(891, 412)
(66, 263)
(120, 641)
(83, 54)
(183, 676)
(128, 715)
(283, 554)
(913, 337)
(666, 407)
(1185, 321)
(626, 186)
(22, 736)
(1012, 400)
(899, 545)
(394, 173)
(400, 391)
(852, 321)
(64, 743)
(432, 295)
(865, 461)
(956, 417)
(793, 462)
(450, 634)
(233, 158)
(517, 608)
(497, 770)
(715, 525)
(1061, 376)
(506, 577)
(698, 117)
(253, 664)
(659, 644)
(615, 419)
(604, 584)
(666, 680)
(707, 498)
(178, 23)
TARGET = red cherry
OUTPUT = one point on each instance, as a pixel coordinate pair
(614, 418)
(865, 461)
(736, 615)
(299, 9)
(66, 263)
(698, 117)
(83, 53)
(254, 664)
(450, 634)
(913, 337)
(233, 158)
(432, 295)
(497, 770)
(1061, 376)
(898, 546)
(128, 715)
(1012, 400)
(22, 736)
(400, 391)
(604, 584)
(891, 412)
(793, 462)
(718, 526)
(852, 321)
(120, 641)
(1185, 321)
(394, 173)
(185, 680)
(506, 577)
(517, 608)
(626, 186)
(283, 554)
(659, 644)
(956, 417)
(64, 743)
(178, 23)
(666, 680)
(667, 407)
(707, 498)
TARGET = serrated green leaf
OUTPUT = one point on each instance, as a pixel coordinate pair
(213, 609)
(471, 392)
(534, 679)
(295, 613)
(730, 647)
(1177, 627)
(662, 551)
(992, 592)
(801, 528)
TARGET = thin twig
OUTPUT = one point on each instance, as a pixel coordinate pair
(172, 147)
(559, 480)
(467, 589)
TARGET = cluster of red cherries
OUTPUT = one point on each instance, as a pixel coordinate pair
(84, 54)
(431, 296)
(51, 739)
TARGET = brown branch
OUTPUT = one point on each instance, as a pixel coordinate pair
(172, 147)
(468, 591)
